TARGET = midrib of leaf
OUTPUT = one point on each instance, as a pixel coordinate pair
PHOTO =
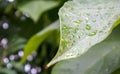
(74, 17)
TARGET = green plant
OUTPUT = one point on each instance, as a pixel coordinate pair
(89, 36)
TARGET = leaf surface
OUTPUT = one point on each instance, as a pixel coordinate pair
(103, 58)
(84, 24)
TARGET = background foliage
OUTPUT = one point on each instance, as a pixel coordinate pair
(20, 20)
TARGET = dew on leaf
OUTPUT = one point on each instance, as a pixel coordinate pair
(76, 29)
(88, 27)
(78, 36)
(64, 43)
(78, 21)
(69, 55)
(93, 33)
(66, 28)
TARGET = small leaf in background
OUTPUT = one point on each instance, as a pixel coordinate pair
(16, 43)
(35, 8)
(37, 39)
(84, 24)
(103, 58)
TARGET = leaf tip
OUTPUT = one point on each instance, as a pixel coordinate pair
(47, 66)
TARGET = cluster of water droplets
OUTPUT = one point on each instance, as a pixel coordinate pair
(78, 23)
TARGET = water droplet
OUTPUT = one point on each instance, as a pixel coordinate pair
(69, 55)
(66, 27)
(64, 43)
(78, 36)
(75, 30)
(63, 40)
(93, 33)
(88, 27)
(78, 21)
(66, 15)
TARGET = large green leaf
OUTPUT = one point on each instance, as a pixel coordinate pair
(84, 24)
(34, 8)
(102, 58)
(37, 39)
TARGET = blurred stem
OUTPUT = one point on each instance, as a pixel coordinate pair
(3, 56)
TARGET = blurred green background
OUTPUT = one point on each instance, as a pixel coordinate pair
(20, 20)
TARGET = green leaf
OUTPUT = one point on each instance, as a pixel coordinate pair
(103, 58)
(34, 8)
(84, 24)
(37, 39)
(16, 43)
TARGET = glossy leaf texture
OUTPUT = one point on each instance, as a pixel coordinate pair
(103, 58)
(38, 38)
(35, 8)
(84, 24)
